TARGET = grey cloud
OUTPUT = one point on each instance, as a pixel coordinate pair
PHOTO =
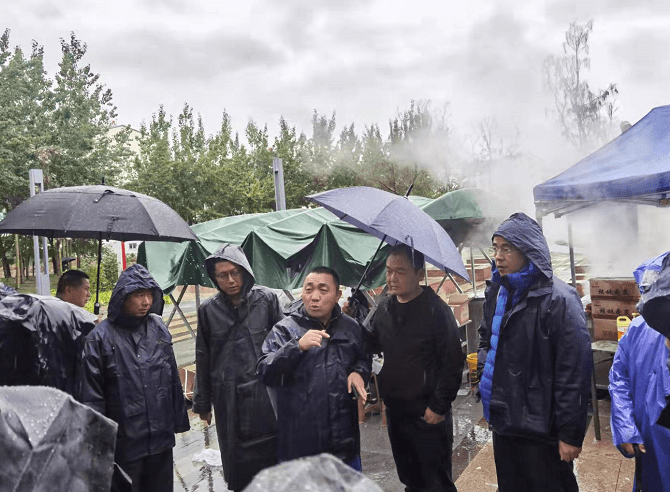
(562, 12)
(638, 55)
(175, 55)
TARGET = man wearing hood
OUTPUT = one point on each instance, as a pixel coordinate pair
(231, 328)
(130, 375)
(535, 361)
(640, 381)
(313, 358)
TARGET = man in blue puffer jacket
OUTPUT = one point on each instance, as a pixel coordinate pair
(535, 361)
(130, 375)
(313, 358)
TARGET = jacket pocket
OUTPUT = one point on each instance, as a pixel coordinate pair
(255, 417)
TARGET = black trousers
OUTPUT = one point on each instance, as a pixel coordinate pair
(524, 465)
(153, 473)
(422, 452)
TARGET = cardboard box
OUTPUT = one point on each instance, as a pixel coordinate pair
(604, 329)
(187, 378)
(482, 272)
(619, 287)
(459, 304)
(611, 307)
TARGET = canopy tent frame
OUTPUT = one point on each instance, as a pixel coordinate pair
(633, 168)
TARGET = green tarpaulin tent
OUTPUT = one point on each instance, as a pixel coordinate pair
(282, 246)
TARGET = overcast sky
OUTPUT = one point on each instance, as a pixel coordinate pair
(363, 59)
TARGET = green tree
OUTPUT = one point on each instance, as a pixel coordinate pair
(586, 117)
(80, 150)
(25, 106)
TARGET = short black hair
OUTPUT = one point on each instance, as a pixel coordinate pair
(71, 278)
(327, 270)
(415, 257)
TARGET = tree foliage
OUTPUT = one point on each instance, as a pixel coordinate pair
(586, 116)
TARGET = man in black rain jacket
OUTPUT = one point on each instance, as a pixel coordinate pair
(231, 328)
(421, 375)
(312, 358)
(535, 361)
(130, 375)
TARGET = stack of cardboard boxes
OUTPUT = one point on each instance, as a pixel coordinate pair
(610, 298)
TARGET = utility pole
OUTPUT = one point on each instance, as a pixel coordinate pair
(278, 173)
(42, 284)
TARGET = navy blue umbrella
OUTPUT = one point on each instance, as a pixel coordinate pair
(394, 219)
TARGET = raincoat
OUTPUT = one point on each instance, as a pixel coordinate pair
(41, 340)
(135, 384)
(639, 383)
(639, 386)
(228, 344)
(316, 413)
(541, 379)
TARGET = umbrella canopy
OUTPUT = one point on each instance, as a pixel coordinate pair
(394, 219)
(97, 212)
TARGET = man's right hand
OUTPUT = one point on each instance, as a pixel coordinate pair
(628, 448)
(312, 339)
(207, 417)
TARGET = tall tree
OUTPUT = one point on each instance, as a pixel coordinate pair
(586, 117)
(82, 150)
(25, 106)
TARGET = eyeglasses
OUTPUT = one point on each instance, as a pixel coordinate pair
(234, 275)
(505, 251)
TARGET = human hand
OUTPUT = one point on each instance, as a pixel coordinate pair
(355, 380)
(312, 339)
(431, 417)
(347, 309)
(568, 452)
(207, 417)
(628, 448)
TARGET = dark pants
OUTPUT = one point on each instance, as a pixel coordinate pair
(523, 465)
(153, 473)
(422, 452)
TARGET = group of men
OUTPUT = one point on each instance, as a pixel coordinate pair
(281, 384)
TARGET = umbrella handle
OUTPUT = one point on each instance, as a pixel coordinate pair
(368, 267)
(96, 306)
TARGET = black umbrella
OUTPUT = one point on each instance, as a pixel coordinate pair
(96, 212)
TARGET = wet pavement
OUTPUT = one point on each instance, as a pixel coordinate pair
(470, 436)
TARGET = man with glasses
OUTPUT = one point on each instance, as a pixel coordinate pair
(232, 326)
(535, 362)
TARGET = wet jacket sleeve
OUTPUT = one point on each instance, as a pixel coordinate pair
(281, 353)
(573, 363)
(370, 334)
(363, 364)
(181, 423)
(622, 418)
(90, 386)
(449, 370)
(202, 402)
(484, 343)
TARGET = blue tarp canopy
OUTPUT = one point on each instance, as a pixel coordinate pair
(634, 167)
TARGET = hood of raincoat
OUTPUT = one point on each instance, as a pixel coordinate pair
(526, 235)
(234, 254)
(133, 278)
(654, 305)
